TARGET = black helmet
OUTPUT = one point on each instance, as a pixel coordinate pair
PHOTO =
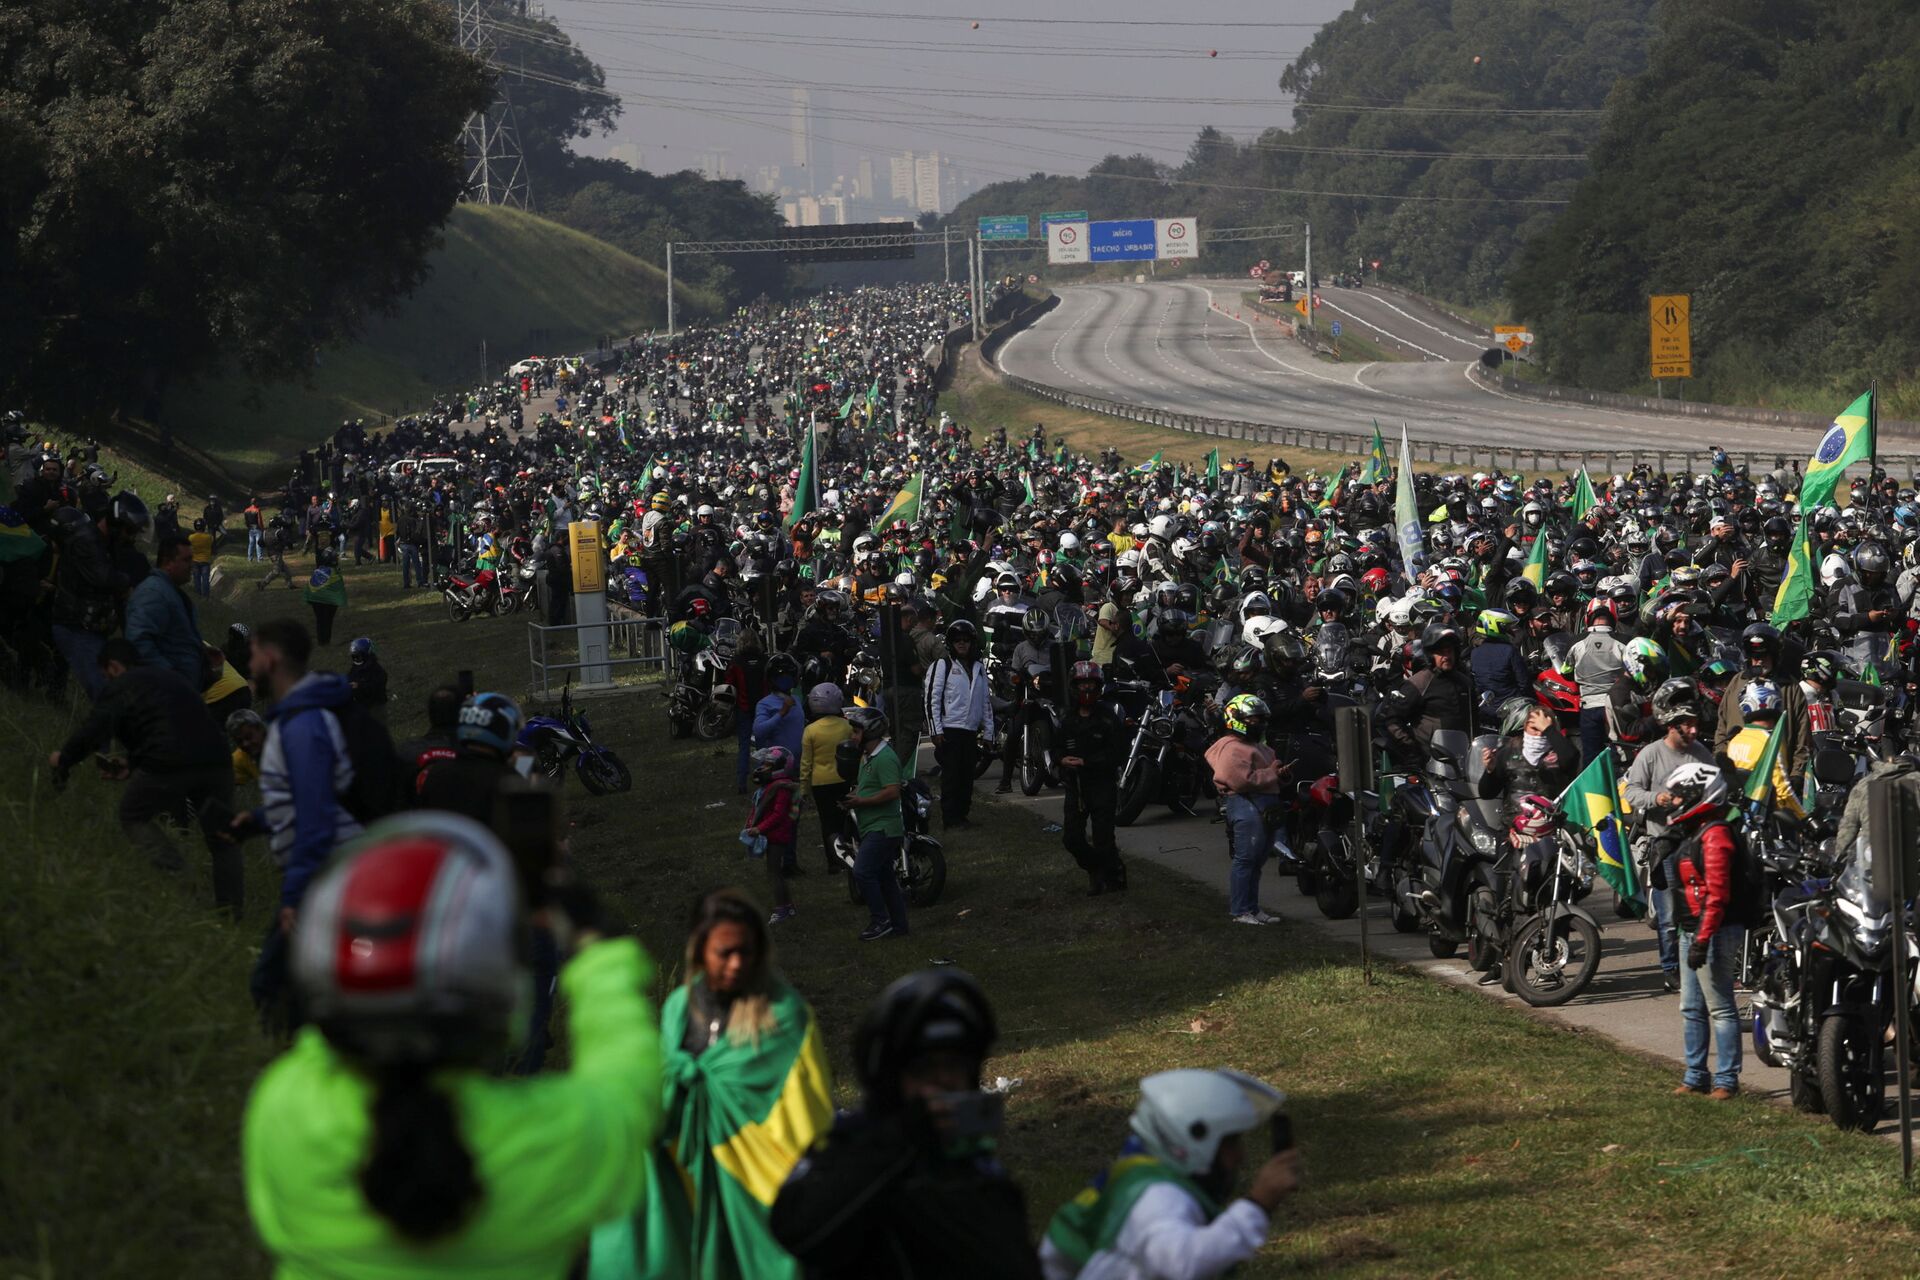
(1035, 624)
(782, 664)
(1676, 699)
(960, 629)
(1286, 653)
(1441, 635)
(128, 510)
(870, 721)
(1870, 558)
(934, 1010)
(1760, 640)
(1520, 591)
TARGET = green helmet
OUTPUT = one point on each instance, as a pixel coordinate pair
(1243, 710)
(1645, 662)
(1495, 624)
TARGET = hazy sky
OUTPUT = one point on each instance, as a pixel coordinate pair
(1004, 99)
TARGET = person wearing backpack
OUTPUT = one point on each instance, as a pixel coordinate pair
(327, 769)
(1708, 908)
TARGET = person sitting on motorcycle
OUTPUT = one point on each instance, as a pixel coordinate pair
(1439, 697)
(1710, 942)
(1760, 707)
(1248, 774)
(1034, 650)
(1499, 672)
(1157, 1213)
(1092, 748)
(1533, 758)
(1819, 676)
(908, 1184)
(1765, 656)
(1630, 718)
(1867, 611)
(825, 638)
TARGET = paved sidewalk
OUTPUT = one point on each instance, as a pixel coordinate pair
(1624, 1002)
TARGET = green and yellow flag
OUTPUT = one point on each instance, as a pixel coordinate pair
(1377, 466)
(803, 489)
(1148, 467)
(1592, 802)
(1584, 499)
(1026, 486)
(847, 408)
(1536, 570)
(905, 505)
(1848, 440)
(1794, 597)
(1213, 468)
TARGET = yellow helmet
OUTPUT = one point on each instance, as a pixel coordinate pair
(661, 502)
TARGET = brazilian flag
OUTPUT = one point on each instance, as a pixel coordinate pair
(1848, 440)
(905, 505)
(1592, 803)
(1536, 570)
(1377, 466)
(1584, 499)
(1794, 598)
(738, 1117)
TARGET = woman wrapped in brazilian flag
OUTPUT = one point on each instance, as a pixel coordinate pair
(747, 1091)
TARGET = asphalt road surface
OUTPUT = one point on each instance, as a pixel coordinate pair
(1181, 346)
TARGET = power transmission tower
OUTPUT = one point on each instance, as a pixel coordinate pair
(496, 169)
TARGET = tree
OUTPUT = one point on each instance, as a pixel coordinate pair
(559, 94)
(197, 184)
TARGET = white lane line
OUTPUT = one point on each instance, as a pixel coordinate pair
(1262, 348)
(1117, 329)
(1080, 316)
(1451, 337)
(1328, 306)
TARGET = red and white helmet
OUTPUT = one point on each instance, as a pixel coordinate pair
(1534, 816)
(407, 948)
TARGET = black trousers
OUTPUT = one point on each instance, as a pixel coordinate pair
(176, 798)
(959, 755)
(1091, 801)
(323, 621)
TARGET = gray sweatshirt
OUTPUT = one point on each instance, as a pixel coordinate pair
(1647, 775)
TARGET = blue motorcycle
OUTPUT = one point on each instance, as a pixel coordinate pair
(555, 740)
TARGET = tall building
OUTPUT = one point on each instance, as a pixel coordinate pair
(716, 165)
(933, 183)
(809, 152)
(863, 179)
(900, 175)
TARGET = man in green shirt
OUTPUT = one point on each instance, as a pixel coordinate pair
(875, 804)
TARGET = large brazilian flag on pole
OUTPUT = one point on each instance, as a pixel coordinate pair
(1592, 803)
(1848, 440)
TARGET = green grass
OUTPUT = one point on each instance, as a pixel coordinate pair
(523, 285)
(1441, 1133)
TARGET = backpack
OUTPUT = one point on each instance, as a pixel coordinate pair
(1748, 904)
(376, 788)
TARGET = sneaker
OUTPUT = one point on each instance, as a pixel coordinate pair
(875, 932)
(780, 915)
(1251, 917)
(1005, 788)
(1669, 981)
(1490, 977)
(1266, 917)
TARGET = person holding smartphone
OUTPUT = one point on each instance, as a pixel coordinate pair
(908, 1184)
(1164, 1209)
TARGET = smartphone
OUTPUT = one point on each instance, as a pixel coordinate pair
(1280, 1132)
(974, 1114)
(527, 818)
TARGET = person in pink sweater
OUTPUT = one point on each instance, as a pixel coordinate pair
(1248, 775)
(771, 814)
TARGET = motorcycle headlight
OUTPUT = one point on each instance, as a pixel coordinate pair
(1483, 840)
(1159, 728)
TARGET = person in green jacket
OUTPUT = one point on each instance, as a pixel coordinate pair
(748, 1090)
(326, 592)
(382, 1146)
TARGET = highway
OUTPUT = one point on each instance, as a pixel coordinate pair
(1181, 346)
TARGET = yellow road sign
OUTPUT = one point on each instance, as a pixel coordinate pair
(1300, 304)
(1672, 339)
(589, 565)
(1516, 343)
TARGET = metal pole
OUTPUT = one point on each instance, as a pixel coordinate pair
(1892, 848)
(946, 253)
(973, 282)
(669, 288)
(1309, 282)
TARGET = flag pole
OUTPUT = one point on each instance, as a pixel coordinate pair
(1873, 437)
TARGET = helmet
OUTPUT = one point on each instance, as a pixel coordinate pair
(1183, 1116)
(1161, 527)
(406, 945)
(489, 720)
(1513, 715)
(1255, 604)
(960, 629)
(1760, 642)
(1645, 662)
(1676, 699)
(1534, 816)
(1246, 714)
(244, 719)
(1007, 580)
(1759, 698)
(1440, 635)
(870, 721)
(1375, 580)
(1035, 624)
(1870, 558)
(128, 510)
(660, 502)
(1286, 652)
(1820, 667)
(825, 699)
(1085, 673)
(772, 762)
(1600, 613)
(1700, 788)
(1494, 624)
(934, 1009)
(1256, 629)
(782, 664)
(360, 650)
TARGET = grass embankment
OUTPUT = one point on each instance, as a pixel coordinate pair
(1441, 1133)
(521, 284)
(1348, 348)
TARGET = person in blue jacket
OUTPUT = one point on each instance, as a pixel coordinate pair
(1499, 671)
(160, 617)
(778, 720)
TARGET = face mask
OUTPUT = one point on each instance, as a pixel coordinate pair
(1533, 747)
(783, 683)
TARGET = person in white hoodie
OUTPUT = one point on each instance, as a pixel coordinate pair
(958, 709)
(1161, 1210)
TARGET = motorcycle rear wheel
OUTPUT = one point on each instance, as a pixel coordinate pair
(1404, 921)
(1033, 758)
(1573, 960)
(1442, 948)
(1852, 1083)
(457, 611)
(926, 871)
(1137, 790)
(1337, 896)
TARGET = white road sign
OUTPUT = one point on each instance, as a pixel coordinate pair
(1066, 243)
(1176, 238)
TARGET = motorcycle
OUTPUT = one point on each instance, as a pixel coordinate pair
(920, 866)
(465, 597)
(1524, 914)
(1039, 727)
(555, 740)
(1434, 874)
(702, 701)
(1163, 762)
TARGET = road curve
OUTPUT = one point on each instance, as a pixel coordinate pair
(1193, 347)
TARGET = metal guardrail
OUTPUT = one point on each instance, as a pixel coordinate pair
(643, 640)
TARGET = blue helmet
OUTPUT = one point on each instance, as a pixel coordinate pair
(361, 649)
(489, 720)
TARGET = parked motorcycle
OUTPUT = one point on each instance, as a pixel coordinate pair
(702, 701)
(1549, 944)
(568, 737)
(468, 595)
(1450, 830)
(920, 866)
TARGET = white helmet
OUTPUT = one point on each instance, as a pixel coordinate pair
(706, 509)
(1383, 610)
(1255, 630)
(1182, 548)
(1127, 561)
(1161, 527)
(1184, 1115)
(1402, 613)
(1069, 542)
(1835, 570)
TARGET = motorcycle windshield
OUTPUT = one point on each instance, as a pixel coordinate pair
(1331, 649)
(1864, 907)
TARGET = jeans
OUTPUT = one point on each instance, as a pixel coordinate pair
(1707, 1003)
(203, 578)
(323, 621)
(873, 873)
(81, 649)
(411, 566)
(743, 734)
(1593, 734)
(1664, 928)
(254, 551)
(779, 864)
(271, 984)
(957, 753)
(1249, 844)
